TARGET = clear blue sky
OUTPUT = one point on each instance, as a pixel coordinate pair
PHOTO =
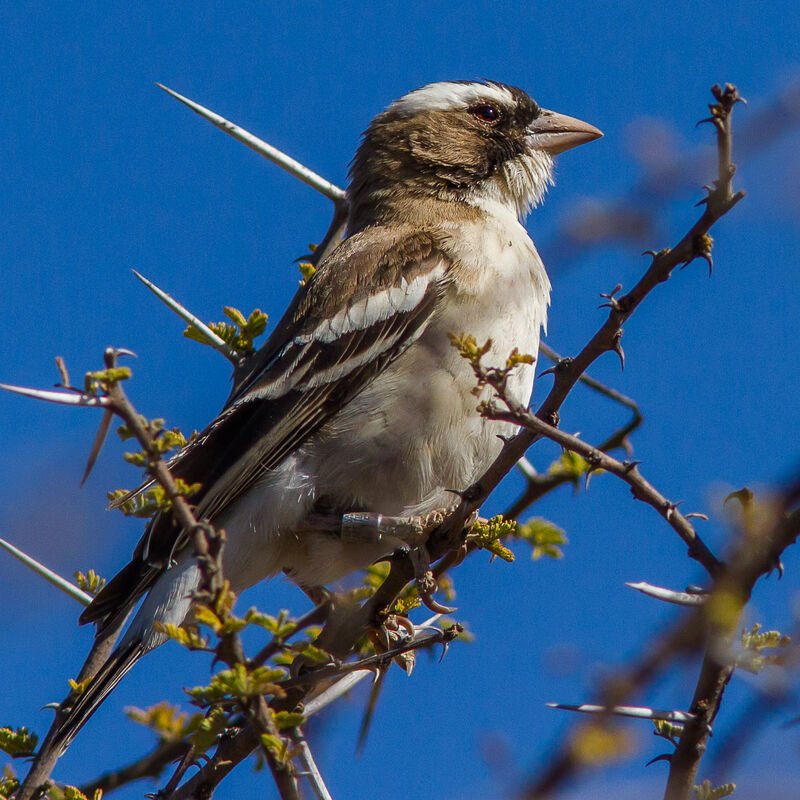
(102, 173)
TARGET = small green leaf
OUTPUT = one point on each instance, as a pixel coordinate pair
(91, 582)
(168, 721)
(307, 269)
(706, 792)
(544, 537)
(186, 635)
(18, 743)
(288, 719)
(488, 535)
(8, 785)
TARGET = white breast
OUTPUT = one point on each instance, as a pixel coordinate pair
(414, 432)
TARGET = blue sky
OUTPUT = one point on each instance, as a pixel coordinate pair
(102, 173)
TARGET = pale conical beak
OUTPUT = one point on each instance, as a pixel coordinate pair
(555, 133)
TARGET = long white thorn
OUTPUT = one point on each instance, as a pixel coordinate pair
(312, 772)
(64, 398)
(669, 595)
(53, 577)
(191, 319)
(261, 147)
(637, 712)
(527, 469)
(335, 691)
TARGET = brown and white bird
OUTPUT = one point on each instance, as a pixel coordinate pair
(360, 403)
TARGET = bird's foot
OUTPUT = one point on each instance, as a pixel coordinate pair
(369, 526)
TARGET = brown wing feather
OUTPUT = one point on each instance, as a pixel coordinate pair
(255, 431)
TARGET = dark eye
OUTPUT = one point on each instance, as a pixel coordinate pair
(485, 113)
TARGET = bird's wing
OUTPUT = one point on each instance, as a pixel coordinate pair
(366, 303)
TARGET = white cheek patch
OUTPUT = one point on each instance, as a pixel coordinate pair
(449, 96)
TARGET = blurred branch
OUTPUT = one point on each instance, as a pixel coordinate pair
(634, 218)
(150, 766)
(540, 485)
(758, 554)
(709, 627)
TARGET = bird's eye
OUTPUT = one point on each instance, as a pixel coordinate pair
(485, 113)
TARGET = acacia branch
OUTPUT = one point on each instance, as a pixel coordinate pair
(694, 244)
(628, 471)
(710, 627)
(759, 552)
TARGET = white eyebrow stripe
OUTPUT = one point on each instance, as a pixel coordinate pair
(449, 96)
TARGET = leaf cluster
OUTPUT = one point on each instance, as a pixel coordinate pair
(98, 382)
(706, 792)
(91, 582)
(19, 743)
(239, 333)
(754, 642)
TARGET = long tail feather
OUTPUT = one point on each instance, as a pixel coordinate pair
(110, 674)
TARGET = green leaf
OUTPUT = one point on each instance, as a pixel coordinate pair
(168, 721)
(307, 269)
(18, 743)
(311, 652)
(203, 730)
(238, 683)
(186, 635)
(99, 382)
(544, 537)
(468, 347)
(288, 719)
(238, 334)
(705, 792)
(91, 582)
(487, 536)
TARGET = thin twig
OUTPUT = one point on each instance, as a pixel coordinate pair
(312, 772)
(151, 766)
(593, 383)
(425, 640)
(627, 471)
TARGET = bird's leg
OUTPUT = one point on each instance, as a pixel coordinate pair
(413, 532)
(369, 526)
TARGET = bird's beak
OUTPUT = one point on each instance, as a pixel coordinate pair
(555, 133)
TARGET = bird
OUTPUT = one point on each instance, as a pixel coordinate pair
(359, 409)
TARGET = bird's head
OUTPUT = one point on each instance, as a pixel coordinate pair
(482, 143)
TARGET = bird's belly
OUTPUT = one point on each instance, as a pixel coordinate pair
(414, 436)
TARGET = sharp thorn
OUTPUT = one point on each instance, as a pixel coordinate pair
(63, 398)
(215, 341)
(261, 147)
(52, 577)
(102, 432)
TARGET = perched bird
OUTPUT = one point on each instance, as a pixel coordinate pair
(359, 402)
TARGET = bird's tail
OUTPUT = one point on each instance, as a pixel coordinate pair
(86, 703)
